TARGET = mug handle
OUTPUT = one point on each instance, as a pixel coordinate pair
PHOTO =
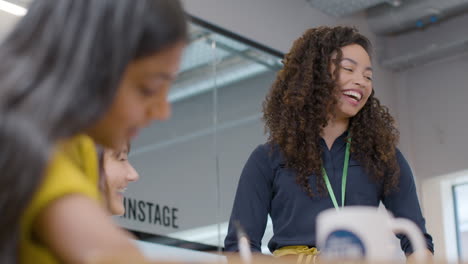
(407, 227)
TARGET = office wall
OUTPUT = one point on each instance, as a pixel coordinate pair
(437, 95)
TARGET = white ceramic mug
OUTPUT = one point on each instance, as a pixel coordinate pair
(361, 232)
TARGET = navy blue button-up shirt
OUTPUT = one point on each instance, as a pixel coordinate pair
(267, 187)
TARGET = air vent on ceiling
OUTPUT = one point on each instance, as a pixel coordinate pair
(339, 8)
(413, 14)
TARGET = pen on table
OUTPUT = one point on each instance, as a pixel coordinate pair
(243, 244)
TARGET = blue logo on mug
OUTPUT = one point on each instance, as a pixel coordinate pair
(343, 244)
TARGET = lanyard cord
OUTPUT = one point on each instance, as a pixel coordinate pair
(343, 179)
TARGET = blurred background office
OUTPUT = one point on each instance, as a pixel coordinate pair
(236, 46)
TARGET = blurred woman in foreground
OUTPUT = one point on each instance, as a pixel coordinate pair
(76, 73)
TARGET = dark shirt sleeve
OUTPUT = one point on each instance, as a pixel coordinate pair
(252, 201)
(404, 203)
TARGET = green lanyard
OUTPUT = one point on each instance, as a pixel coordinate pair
(343, 179)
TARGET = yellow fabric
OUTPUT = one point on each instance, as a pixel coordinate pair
(300, 251)
(73, 169)
(295, 250)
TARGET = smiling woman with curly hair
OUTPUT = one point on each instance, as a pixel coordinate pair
(303, 101)
(326, 128)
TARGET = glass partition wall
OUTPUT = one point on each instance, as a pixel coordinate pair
(189, 165)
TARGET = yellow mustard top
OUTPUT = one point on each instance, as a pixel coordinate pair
(73, 169)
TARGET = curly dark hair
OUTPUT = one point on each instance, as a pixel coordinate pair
(304, 95)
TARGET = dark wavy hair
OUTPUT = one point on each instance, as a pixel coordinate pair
(303, 97)
(61, 68)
